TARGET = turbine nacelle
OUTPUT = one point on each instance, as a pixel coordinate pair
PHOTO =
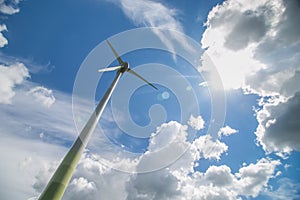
(123, 67)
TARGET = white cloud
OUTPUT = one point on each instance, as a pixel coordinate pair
(287, 189)
(91, 180)
(169, 147)
(155, 14)
(25, 158)
(151, 13)
(218, 182)
(166, 145)
(278, 128)
(10, 76)
(93, 177)
(3, 40)
(166, 134)
(30, 137)
(251, 46)
(219, 175)
(42, 95)
(34, 136)
(210, 149)
(82, 184)
(158, 185)
(254, 177)
(254, 60)
(196, 123)
(25, 117)
(43, 173)
(227, 130)
(226, 25)
(203, 84)
(171, 182)
(9, 7)
(100, 180)
(81, 188)
(177, 181)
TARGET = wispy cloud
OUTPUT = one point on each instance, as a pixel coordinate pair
(33, 66)
(151, 14)
(155, 14)
(42, 95)
(288, 189)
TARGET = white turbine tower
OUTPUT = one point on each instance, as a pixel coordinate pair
(60, 179)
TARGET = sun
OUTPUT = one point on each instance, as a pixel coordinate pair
(232, 66)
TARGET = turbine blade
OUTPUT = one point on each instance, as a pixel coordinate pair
(140, 77)
(116, 54)
(109, 69)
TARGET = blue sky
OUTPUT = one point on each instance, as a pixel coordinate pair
(224, 123)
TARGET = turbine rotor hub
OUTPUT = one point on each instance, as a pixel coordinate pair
(125, 67)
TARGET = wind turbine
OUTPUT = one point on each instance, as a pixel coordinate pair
(62, 176)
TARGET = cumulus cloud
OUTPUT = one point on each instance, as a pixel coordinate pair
(158, 185)
(32, 157)
(227, 130)
(169, 146)
(228, 45)
(278, 128)
(42, 176)
(252, 50)
(82, 184)
(96, 174)
(255, 176)
(242, 33)
(93, 180)
(35, 138)
(10, 76)
(219, 175)
(166, 145)
(259, 53)
(196, 123)
(26, 158)
(172, 182)
(3, 40)
(9, 7)
(42, 95)
(218, 182)
(209, 148)
(81, 188)
(166, 134)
